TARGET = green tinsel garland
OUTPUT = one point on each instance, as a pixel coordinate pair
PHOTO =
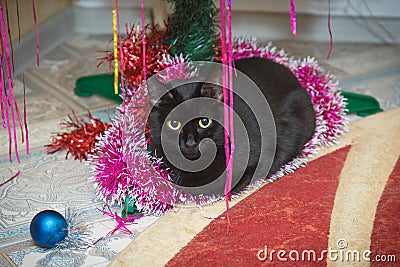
(191, 29)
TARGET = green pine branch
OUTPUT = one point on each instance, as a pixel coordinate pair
(191, 29)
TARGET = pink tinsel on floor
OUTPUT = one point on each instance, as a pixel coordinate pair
(121, 165)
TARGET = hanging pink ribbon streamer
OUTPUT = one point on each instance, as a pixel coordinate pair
(9, 34)
(228, 186)
(121, 58)
(25, 121)
(293, 17)
(23, 79)
(8, 99)
(5, 110)
(37, 34)
(227, 84)
(18, 22)
(2, 93)
(143, 42)
(330, 31)
(224, 79)
(12, 62)
(19, 119)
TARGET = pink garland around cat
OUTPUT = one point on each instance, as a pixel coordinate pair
(121, 166)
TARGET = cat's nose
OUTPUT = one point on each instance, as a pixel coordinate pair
(190, 142)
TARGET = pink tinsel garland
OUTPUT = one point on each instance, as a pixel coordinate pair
(122, 164)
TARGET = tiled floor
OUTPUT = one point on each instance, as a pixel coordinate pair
(51, 182)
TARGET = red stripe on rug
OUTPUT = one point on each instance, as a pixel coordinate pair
(385, 238)
(292, 213)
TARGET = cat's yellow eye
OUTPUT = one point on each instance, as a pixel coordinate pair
(205, 122)
(174, 124)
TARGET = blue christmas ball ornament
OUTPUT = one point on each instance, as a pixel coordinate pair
(48, 228)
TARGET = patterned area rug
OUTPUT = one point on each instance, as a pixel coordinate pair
(340, 210)
(52, 182)
(287, 215)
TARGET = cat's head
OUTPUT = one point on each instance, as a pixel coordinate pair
(192, 121)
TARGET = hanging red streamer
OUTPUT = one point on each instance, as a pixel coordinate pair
(131, 52)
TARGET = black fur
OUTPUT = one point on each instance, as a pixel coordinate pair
(290, 104)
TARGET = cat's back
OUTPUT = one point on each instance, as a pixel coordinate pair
(274, 80)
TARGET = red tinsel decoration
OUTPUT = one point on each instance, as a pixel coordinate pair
(217, 46)
(132, 49)
(81, 141)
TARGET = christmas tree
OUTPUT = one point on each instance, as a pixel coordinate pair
(191, 29)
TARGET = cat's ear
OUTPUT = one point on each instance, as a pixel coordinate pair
(211, 88)
(158, 91)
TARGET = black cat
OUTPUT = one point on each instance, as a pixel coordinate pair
(290, 104)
